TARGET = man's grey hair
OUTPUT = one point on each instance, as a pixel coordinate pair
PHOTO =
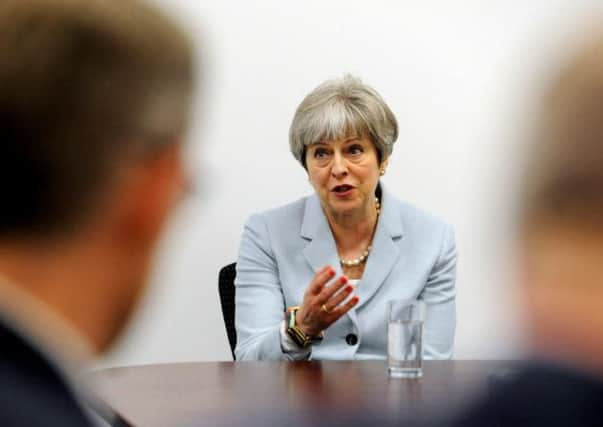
(87, 87)
(340, 108)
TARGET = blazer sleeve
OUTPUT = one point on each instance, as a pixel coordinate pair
(439, 295)
(259, 302)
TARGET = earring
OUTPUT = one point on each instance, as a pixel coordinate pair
(382, 172)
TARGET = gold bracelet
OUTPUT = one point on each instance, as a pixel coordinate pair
(295, 333)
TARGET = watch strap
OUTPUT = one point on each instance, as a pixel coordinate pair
(295, 333)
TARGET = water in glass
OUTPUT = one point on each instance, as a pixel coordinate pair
(404, 348)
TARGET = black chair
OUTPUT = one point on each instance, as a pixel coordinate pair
(226, 289)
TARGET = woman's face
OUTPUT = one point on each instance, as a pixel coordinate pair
(344, 174)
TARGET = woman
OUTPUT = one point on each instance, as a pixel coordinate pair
(314, 277)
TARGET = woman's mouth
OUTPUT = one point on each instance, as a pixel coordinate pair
(342, 190)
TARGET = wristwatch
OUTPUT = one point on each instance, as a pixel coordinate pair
(296, 334)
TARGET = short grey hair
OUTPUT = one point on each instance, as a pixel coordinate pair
(340, 108)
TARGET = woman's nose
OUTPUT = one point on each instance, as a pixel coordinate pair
(340, 167)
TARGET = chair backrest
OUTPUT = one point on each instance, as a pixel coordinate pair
(226, 288)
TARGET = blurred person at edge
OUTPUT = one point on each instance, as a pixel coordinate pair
(331, 261)
(94, 99)
(560, 242)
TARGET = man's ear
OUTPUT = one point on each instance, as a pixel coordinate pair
(153, 188)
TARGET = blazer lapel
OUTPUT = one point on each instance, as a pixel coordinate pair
(321, 249)
(385, 253)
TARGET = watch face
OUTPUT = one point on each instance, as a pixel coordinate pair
(291, 319)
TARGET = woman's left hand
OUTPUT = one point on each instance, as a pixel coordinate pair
(322, 304)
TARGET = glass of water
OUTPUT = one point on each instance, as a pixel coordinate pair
(405, 338)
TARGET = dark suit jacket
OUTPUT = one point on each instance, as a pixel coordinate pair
(539, 395)
(32, 391)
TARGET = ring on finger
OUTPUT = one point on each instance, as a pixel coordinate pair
(325, 309)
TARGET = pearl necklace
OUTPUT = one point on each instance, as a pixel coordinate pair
(362, 258)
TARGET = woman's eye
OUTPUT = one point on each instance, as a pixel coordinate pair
(355, 149)
(320, 153)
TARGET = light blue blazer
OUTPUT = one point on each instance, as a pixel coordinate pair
(413, 256)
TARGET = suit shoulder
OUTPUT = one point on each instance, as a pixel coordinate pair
(284, 215)
(415, 216)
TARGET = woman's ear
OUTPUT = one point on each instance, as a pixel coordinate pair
(383, 166)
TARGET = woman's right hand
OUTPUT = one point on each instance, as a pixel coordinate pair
(323, 305)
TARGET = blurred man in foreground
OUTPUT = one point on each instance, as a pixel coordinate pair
(94, 99)
(561, 255)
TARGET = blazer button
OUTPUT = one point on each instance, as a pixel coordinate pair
(351, 339)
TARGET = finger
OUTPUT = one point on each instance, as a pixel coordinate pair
(320, 279)
(330, 290)
(345, 307)
(339, 297)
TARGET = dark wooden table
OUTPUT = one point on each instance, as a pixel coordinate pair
(274, 393)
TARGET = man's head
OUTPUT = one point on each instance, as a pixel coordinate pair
(561, 216)
(94, 100)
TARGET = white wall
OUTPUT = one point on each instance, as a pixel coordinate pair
(455, 73)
